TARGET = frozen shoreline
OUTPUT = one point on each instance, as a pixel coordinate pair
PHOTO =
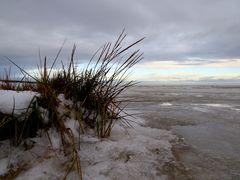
(187, 132)
(207, 117)
(139, 153)
(133, 153)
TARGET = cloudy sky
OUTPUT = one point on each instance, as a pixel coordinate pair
(186, 40)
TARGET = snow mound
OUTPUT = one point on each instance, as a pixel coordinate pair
(138, 154)
(132, 153)
(129, 153)
(19, 100)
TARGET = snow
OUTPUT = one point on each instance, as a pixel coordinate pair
(138, 154)
(17, 100)
(3, 165)
(204, 110)
(166, 104)
(218, 105)
(129, 153)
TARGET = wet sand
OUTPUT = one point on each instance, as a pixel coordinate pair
(207, 118)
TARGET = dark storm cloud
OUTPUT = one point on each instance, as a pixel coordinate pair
(174, 30)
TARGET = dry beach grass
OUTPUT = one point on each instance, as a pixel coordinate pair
(92, 93)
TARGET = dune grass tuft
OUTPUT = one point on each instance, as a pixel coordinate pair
(93, 92)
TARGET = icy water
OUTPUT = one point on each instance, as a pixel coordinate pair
(206, 117)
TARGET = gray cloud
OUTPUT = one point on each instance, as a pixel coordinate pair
(174, 30)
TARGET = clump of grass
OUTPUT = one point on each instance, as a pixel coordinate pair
(93, 91)
(96, 88)
(6, 82)
(48, 99)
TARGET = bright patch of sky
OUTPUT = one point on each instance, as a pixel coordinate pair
(169, 72)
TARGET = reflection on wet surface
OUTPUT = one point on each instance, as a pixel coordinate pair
(207, 117)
